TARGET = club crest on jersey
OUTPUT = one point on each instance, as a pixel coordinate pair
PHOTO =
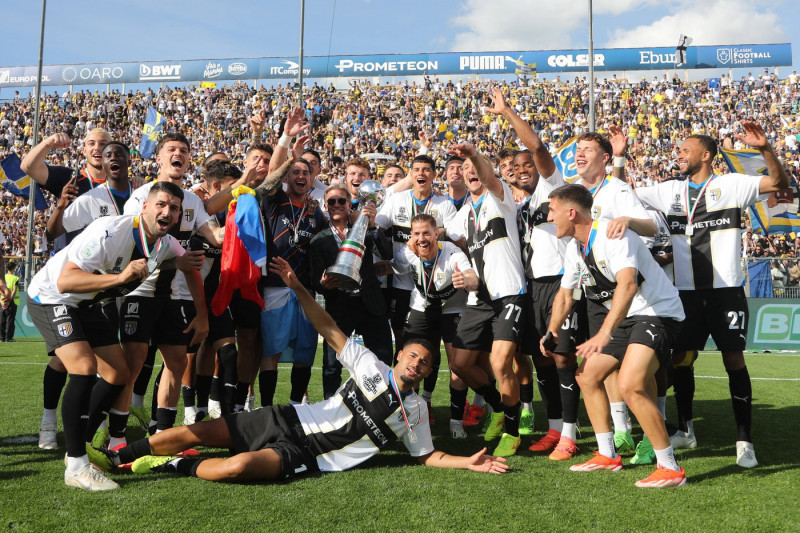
(188, 215)
(133, 308)
(715, 194)
(59, 310)
(103, 210)
(402, 215)
(596, 211)
(604, 267)
(435, 213)
(370, 383)
(130, 327)
(676, 206)
(439, 279)
(65, 329)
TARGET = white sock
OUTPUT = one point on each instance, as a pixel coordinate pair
(76, 463)
(690, 427)
(477, 401)
(666, 459)
(556, 424)
(568, 430)
(662, 406)
(619, 415)
(456, 424)
(113, 442)
(214, 404)
(103, 424)
(50, 416)
(191, 410)
(605, 444)
(137, 401)
(528, 406)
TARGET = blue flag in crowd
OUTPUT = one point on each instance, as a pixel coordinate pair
(152, 128)
(564, 158)
(16, 182)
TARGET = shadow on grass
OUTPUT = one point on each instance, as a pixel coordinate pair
(7, 475)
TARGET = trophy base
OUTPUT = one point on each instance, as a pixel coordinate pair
(350, 278)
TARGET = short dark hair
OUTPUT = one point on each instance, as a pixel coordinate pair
(422, 341)
(218, 170)
(180, 137)
(424, 217)
(602, 140)
(394, 165)
(453, 159)
(303, 162)
(121, 145)
(314, 153)
(575, 194)
(708, 143)
(209, 158)
(262, 147)
(506, 153)
(167, 187)
(424, 159)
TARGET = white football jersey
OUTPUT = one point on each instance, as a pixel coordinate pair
(91, 205)
(106, 246)
(542, 251)
(597, 273)
(396, 213)
(363, 416)
(709, 258)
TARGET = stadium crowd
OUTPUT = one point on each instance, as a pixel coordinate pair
(485, 147)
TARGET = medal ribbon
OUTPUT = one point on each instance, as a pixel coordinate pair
(423, 276)
(476, 213)
(588, 250)
(690, 214)
(414, 204)
(140, 238)
(112, 198)
(402, 407)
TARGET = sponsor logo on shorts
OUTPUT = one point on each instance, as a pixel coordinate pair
(133, 308)
(370, 383)
(65, 329)
(300, 469)
(60, 310)
(130, 327)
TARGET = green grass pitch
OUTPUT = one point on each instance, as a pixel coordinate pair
(393, 493)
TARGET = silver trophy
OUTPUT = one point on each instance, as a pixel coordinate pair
(348, 262)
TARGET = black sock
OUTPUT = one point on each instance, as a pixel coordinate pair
(243, 389)
(742, 399)
(187, 466)
(202, 386)
(429, 383)
(73, 409)
(458, 400)
(570, 394)
(547, 378)
(165, 418)
(491, 396)
(143, 379)
(526, 392)
(187, 393)
(511, 421)
(267, 382)
(117, 425)
(52, 386)
(134, 450)
(104, 394)
(228, 373)
(154, 402)
(683, 388)
(214, 392)
(301, 376)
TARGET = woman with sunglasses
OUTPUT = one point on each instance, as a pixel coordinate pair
(363, 310)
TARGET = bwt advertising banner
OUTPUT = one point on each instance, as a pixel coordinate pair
(525, 63)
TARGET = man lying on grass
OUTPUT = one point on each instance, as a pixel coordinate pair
(374, 407)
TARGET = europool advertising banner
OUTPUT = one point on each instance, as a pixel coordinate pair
(437, 64)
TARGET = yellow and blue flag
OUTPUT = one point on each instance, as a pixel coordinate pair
(16, 182)
(564, 158)
(152, 128)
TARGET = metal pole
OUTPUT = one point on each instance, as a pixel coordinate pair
(33, 189)
(300, 73)
(591, 72)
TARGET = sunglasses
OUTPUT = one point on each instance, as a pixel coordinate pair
(333, 201)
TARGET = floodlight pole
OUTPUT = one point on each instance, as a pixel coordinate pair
(591, 72)
(300, 72)
(32, 188)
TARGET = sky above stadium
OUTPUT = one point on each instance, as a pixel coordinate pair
(78, 31)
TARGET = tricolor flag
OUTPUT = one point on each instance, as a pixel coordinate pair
(771, 215)
(152, 127)
(16, 182)
(564, 158)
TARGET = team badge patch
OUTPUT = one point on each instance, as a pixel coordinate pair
(188, 215)
(59, 310)
(103, 210)
(130, 327)
(65, 330)
(370, 383)
(715, 194)
(90, 249)
(596, 212)
(440, 278)
(133, 308)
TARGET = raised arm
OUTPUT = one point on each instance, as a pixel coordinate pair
(483, 167)
(33, 163)
(55, 226)
(776, 178)
(321, 320)
(294, 126)
(541, 155)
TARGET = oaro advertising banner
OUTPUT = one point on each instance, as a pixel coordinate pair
(453, 63)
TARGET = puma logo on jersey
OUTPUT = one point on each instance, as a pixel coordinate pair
(391, 400)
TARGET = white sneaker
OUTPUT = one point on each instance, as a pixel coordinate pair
(250, 404)
(47, 437)
(457, 429)
(682, 440)
(88, 478)
(305, 400)
(745, 454)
